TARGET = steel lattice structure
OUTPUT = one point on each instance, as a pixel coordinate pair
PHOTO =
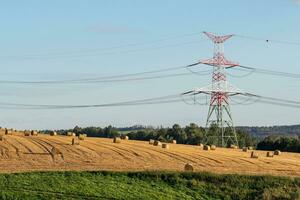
(220, 90)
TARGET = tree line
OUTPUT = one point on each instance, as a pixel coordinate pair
(283, 143)
(192, 134)
(264, 131)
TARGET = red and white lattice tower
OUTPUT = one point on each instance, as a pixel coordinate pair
(219, 110)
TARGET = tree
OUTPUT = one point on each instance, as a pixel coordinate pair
(194, 134)
(110, 132)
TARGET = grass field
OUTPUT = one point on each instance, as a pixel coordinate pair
(145, 185)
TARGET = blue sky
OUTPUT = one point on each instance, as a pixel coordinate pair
(55, 28)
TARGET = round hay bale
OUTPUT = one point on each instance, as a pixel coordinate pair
(27, 133)
(124, 137)
(151, 142)
(270, 154)
(53, 133)
(188, 167)
(71, 134)
(157, 143)
(34, 133)
(117, 140)
(200, 145)
(8, 132)
(206, 147)
(174, 142)
(277, 153)
(254, 154)
(213, 147)
(84, 135)
(165, 146)
(245, 149)
(250, 148)
(233, 146)
(81, 137)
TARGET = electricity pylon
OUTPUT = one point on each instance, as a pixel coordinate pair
(220, 90)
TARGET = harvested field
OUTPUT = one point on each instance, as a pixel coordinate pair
(19, 153)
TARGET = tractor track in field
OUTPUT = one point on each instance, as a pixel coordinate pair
(182, 158)
(23, 145)
(114, 149)
(199, 156)
(175, 156)
(127, 150)
(14, 146)
(40, 141)
(143, 149)
(149, 152)
(73, 149)
(209, 159)
(4, 152)
(239, 160)
(196, 156)
(124, 149)
(157, 153)
(84, 145)
(41, 145)
(290, 164)
(247, 161)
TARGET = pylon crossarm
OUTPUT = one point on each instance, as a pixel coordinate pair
(219, 60)
(217, 39)
(220, 87)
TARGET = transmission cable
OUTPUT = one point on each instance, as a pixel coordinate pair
(98, 52)
(115, 78)
(168, 98)
(268, 40)
(270, 72)
(261, 71)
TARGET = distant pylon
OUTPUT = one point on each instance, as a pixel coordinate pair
(219, 110)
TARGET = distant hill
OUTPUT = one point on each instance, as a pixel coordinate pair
(262, 131)
(257, 131)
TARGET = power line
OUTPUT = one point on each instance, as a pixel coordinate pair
(107, 51)
(115, 78)
(252, 99)
(97, 80)
(155, 100)
(259, 70)
(114, 52)
(159, 100)
(269, 72)
(273, 99)
(104, 51)
(267, 40)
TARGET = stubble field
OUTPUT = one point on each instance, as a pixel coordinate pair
(19, 153)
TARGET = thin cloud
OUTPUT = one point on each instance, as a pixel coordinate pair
(297, 2)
